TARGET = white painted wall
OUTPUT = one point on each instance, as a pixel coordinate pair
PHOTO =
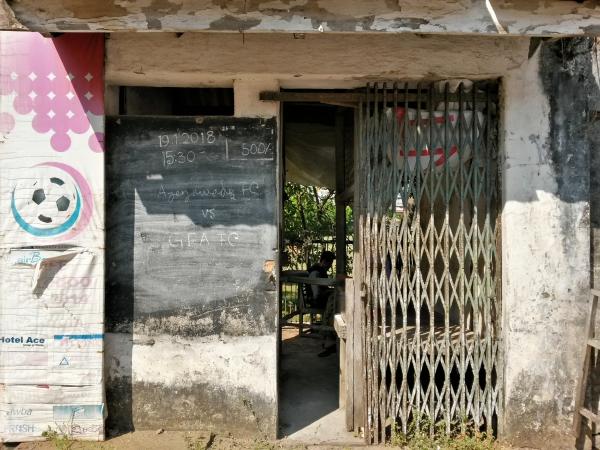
(545, 271)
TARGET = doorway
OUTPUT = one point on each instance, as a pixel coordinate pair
(421, 324)
(317, 150)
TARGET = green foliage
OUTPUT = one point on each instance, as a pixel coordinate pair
(62, 441)
(309, 212)
(463, 436)
(59, 441)
(309, 219)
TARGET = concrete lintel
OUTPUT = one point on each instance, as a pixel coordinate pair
(318, 61)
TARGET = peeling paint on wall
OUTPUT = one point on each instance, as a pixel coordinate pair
(546, 239)
(516, 17)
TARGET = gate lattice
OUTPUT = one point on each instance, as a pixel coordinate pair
(429, 264)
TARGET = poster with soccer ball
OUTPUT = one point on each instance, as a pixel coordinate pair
(51, 235)
(51, 139)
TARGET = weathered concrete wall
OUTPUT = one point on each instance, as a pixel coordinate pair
(594, 136)
(546, 240)
(545, 216)
(408, 16)
(593, 392)
(220, 382)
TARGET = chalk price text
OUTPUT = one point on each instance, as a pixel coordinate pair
(257, 149)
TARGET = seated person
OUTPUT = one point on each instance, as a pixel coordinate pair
(320, 294)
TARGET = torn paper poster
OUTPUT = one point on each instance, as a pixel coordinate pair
(45, 286)
(22, 421)
(51, 335)
(27, 411)
(52, 317)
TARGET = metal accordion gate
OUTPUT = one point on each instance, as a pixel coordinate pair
(429, 261)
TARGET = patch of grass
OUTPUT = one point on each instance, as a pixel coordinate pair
(463, 436)
(59, 441)
(62, 441)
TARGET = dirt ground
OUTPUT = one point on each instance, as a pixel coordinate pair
(168, 440)
(180, 440)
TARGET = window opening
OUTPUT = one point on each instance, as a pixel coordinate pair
(174, 101)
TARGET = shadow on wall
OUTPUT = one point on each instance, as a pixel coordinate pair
(188, 241)
(567, 74)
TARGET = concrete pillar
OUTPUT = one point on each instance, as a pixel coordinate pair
(545, 241)
(247, 103)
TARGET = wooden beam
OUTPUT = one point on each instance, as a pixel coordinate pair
(349, 98)
(340, 186)
(347, 196)
(350, 354)
(314, 97)
(358, 359)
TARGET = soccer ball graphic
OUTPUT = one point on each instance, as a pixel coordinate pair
(46, 200)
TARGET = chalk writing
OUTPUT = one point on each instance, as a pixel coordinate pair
(187, 138)
(204, 208)
(171, 158)
(251, 190)
(260, 148)
(251, 151)
(222, 191)
(201, 239)
(197, 192)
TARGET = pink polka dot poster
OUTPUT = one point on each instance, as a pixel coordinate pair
(59, 80)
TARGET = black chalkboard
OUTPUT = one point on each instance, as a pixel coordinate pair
(191, 224)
